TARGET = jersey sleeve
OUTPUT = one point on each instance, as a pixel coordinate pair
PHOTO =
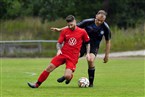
(107, 31)
(85, 37)
(85, 22)
(61, 37)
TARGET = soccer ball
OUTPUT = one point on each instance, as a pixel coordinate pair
(83, 82)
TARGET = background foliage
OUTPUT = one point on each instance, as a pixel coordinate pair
(124, 13)
(32, 20)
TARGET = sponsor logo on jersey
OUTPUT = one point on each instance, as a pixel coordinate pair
(67, 35)
(72, 41)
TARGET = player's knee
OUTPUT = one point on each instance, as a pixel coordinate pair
(90, 60)
(50, 68)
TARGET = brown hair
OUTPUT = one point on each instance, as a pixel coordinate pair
(102, 12)
(70, 18)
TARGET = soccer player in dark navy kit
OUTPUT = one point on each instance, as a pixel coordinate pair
(96, 29)
(71, 38)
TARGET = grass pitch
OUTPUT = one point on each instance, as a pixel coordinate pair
(120, 77)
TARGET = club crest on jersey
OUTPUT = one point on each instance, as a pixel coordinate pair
(102, 32)
(72, 41)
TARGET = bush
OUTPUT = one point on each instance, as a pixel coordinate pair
(34, 29)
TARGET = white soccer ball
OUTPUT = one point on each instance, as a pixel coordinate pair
(83, 82)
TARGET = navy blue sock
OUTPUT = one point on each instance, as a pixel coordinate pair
(91, 74)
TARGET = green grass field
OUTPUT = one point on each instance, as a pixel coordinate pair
(120, 77)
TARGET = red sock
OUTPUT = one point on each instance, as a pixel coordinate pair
(43, 77)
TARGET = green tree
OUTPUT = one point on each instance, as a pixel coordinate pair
(10, 8)
(122, 13)
(126, 13)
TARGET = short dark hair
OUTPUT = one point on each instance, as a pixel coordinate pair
(70, 18)
(102, 12)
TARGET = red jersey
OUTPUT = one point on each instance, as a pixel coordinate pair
(72, 42)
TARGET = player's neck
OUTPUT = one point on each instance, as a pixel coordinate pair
(73, 28)
(96, 23)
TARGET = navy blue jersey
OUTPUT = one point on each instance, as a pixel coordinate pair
(95, 32)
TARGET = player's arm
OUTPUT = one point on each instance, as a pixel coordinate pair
(87, 47)
(60, 42)
(107, 51)
(88, 50)
(58, 46)
(86, 39)
(85, 22)
(58, 29)
(108, 42)
(81, 24)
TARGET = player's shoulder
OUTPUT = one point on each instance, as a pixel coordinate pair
(90, 20)
(106, 25)
(86, 22)
(80, 29)
(64, 30)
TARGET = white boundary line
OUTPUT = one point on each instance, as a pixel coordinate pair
(30, 73)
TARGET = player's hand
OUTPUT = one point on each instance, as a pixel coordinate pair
(55, 29)
(59, 52)
(105, 59)
(88, 56)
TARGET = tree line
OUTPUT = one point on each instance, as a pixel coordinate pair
(123, 13)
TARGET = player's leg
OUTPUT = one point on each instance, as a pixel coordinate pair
(91, 65)
(91, 69)
(70, 68)
(68, 75)
(43, 76)
(82, 52)
(56, 61)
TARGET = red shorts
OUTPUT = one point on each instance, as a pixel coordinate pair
(61, 59)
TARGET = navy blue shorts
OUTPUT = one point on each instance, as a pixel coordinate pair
(93, 50)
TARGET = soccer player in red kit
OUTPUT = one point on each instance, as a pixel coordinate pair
(68, 46)
(96, 28)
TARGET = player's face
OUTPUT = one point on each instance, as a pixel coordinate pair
(100, 19)
(72, 25)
